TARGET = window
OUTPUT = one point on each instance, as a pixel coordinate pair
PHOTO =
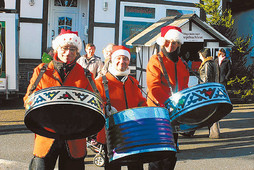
(130, 29)
(66, 3)
(173, 12)
(142, 12)
(64, 23)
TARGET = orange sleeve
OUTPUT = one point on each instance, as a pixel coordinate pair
(156, 82)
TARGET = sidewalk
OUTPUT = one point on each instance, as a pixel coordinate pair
(233, 151)
(12, 114)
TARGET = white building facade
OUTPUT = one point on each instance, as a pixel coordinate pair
(99, 22)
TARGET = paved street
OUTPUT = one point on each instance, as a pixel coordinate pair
(233, 151)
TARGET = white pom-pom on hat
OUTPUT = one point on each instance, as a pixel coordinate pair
(170, 33)
(160, 41)
(67, 37)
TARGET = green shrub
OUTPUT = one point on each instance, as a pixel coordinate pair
(244, 87)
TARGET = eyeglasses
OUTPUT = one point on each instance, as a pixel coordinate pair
(173, 42)
(71, 49)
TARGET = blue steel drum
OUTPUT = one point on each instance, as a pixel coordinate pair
(142, 134)
(64, 112)
(199, 106)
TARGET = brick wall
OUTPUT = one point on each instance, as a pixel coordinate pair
(25, 73)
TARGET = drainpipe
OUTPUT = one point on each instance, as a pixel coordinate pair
(6, 88)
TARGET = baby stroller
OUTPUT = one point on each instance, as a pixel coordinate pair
(99, 158)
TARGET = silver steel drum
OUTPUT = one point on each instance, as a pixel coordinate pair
(64, 112)
(141, 134)
(199, 106)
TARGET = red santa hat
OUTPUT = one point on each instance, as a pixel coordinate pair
(170, 33)
(120, 50)
(67, 37)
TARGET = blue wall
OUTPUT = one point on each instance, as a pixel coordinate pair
(244, 25)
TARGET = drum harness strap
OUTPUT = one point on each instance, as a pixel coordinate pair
(165, 72)
(89, 77)
(105, 84)
(140, 87)
(42, 71)
(168, 101)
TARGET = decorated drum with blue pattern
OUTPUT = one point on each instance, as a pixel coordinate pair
(199, 106)
(141, 134)
(64, 112)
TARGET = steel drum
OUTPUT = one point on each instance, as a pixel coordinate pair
(64, 112)
(199, 106)
(142, 134)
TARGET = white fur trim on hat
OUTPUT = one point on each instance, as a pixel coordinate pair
(175, 35)
(121, 52)
(64, 39)
(160, 41)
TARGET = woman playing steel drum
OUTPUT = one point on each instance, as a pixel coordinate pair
(135, 134)
(201, 105)
(63, 71)
(166, 74)
(120, 91)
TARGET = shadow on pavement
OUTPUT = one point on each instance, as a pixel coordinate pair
(237, 136)
(225, 148)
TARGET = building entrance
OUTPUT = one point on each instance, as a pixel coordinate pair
(66, 14)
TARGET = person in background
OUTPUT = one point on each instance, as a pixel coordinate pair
(61, 71)
(47, 55)
(166, 74)
(107, 51)
(90, 61)
(207, 69)
(223, 67)
(123, 91)
(207, 72)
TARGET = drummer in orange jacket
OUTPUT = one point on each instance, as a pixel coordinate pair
(62, 71)
(159, 88)
(123, 91)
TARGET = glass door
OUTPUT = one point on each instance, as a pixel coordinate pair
(63, 14)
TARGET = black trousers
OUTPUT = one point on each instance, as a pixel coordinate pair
(167, 163)
(65, 161)
(115, 166)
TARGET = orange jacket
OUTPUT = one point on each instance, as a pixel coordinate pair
(117, 92)
(158, 89)
(76, 78)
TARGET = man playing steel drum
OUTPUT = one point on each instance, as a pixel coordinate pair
(166, 74)
(123, 93)
(61, 71)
